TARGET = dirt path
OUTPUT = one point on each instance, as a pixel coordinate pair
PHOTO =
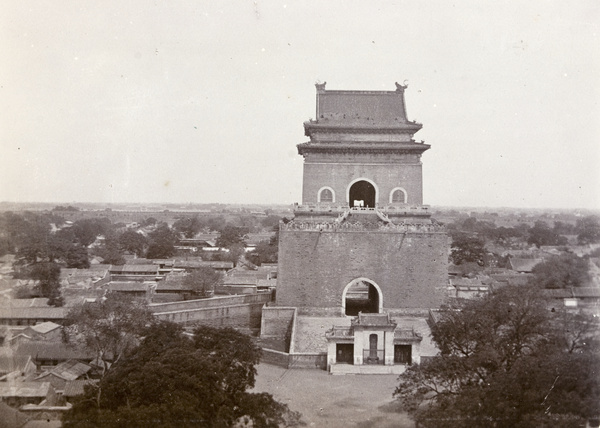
(334, 401)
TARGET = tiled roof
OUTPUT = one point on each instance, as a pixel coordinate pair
(34, 313)
(575, 292)
(380, 107)
(266, 283)
(29, 303)
(191, 264)
(524, 265)
(10, 363)
(129, 286)
(53, 351)
(240, 280)
(68, 370)
(134, 269)
(25, 389)
(74, 388)
(44, 327)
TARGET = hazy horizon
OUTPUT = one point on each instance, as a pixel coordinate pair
(194, 100)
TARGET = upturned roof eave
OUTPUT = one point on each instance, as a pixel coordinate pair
(308, 147)
(400, 128)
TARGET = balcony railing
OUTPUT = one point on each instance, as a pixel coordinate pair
(349, 226)
(373, 356)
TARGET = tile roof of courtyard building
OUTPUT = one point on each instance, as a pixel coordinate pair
(75, 388)
(44, 327)
(53, 351)
(67, 370)
(523, 265)
(25, 389)
(149, 269)
(130, 286)
(34, 313)
(29, 303)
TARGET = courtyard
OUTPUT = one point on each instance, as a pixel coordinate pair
(334, 401)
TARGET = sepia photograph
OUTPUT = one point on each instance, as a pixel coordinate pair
(300, 214)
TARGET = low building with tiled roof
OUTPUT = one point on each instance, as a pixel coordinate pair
(196, 263)
(22, 393)
(76, 388)
(523, 265)
(66, 371)
(31, 315)
(53, 353)
(84, 278)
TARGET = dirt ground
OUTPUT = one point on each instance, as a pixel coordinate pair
(334, 401)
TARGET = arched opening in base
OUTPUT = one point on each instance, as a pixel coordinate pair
(362, 295)
(362, 194)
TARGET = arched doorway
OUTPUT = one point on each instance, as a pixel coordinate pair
(362, 191)
(362, 295)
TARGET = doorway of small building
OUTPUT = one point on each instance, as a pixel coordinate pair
(361, 296)
(402, 354)
(362, 194)
(344, 353)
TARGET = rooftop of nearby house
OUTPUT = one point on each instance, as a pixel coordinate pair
(74, 388)
(53, 351)
(39, 313)
(130, 286)
(523, 265)
(68, 370)
(44, 327)
(25, 389)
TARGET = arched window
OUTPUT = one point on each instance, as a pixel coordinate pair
(326, 195)
(398, 196)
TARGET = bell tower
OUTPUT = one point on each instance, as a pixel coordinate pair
(361, 151)
(361, 240)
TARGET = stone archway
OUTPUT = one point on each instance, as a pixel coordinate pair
(363, 191)
(361, 295)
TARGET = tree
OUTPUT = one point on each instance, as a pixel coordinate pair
(108, 328)
(77, 257)
(267, 251)
(467, 249)
(231, 235)
(189, 226)
(588, 230)
(48, 274)
(564, 271)
(133, 242)
(162, 242)
(203, 281)
(87, 230)
(505, 361)
(171, 380)
(541, 234)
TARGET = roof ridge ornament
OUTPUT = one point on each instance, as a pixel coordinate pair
(401, 88)
(320, 87)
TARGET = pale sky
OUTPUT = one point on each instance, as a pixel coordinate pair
(203, 101)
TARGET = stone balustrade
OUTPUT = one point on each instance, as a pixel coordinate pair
(349, 226)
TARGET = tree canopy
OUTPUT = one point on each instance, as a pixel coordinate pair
(564, 271)
(171, 380)
(108, 328)
(231, 235)
(506, 361)
(465, 249)
(48, 274)
(162, 242)
(541, 234)
(588, 230)
(202, 281)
